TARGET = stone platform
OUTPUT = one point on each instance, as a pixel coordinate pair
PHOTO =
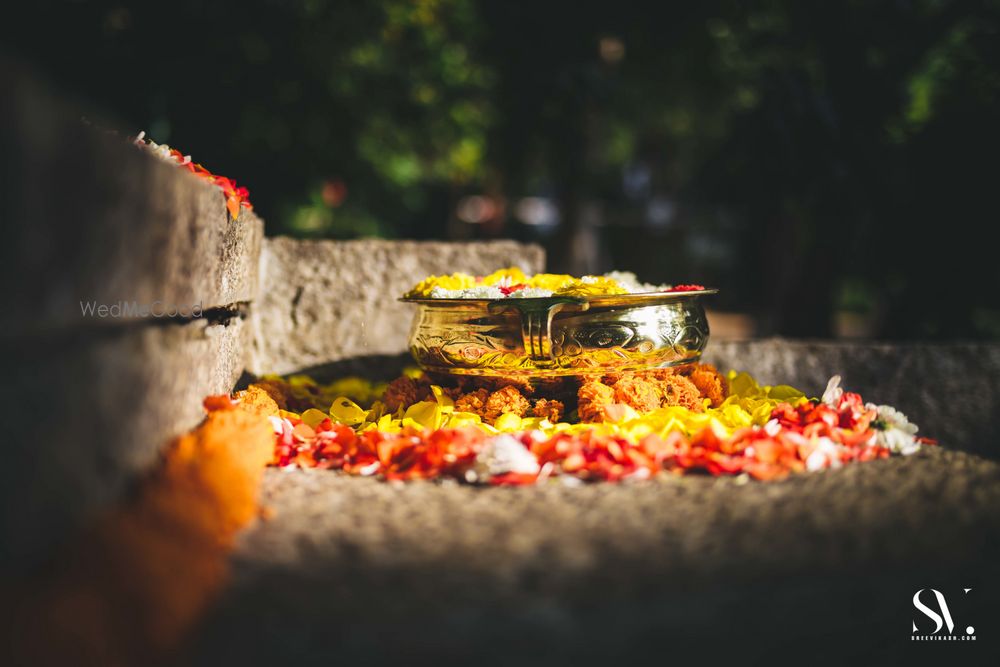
(824, 566)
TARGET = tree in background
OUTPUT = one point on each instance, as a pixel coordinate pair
(344, 119)
(809, 159)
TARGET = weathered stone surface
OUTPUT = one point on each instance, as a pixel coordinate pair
(90, 400)
(323, 301)
(90, 218)
(356, 570)
(951, 391)
(89, 412)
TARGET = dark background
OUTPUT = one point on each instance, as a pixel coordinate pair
(832, 167)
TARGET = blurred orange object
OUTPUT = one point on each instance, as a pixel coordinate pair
(128, 589)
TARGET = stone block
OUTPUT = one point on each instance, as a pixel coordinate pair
(951, 391)
(325, 301)
(90, 412)
(88, 217)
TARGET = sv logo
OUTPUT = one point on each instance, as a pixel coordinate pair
(942, 619)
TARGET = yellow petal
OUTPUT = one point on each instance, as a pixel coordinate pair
(550, 281)
(312, 416)
(638, 431)
(389, 425)
(459, 419)
(377, 410)
(514, 275)
(534, 423)
(783, 392)
(345, 411)
(447, 405)
(507, 422)
(594, 286)
(742, 384)
(455, 281)
(424, 413)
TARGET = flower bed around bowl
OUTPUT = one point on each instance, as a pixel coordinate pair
(763, 432)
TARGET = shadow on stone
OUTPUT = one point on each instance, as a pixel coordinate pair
(376, 367)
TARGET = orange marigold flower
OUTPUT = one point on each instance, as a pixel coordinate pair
(474, 402)
(710, 383)
(592, 398)
(505, 401)
(404, 392)
(641, 394)
(548, 409)
(678, 390)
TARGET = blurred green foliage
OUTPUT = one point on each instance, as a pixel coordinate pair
(808, 158)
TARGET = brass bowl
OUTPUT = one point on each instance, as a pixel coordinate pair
(558, 336)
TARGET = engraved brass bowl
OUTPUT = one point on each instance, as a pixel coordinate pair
(559, 335)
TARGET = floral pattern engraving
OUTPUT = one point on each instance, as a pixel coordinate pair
(465, 342)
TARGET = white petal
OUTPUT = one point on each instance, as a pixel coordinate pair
(505, 454)
(833, 391)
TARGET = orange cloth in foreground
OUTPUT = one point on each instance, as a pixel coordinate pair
(127, 591)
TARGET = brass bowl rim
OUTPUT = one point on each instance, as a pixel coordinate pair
(594, 301)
